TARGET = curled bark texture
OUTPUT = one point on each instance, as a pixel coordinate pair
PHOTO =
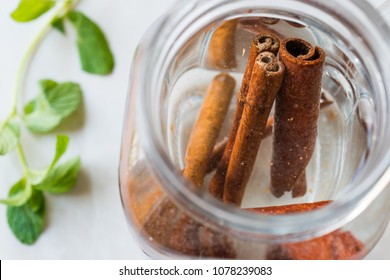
(174, 230)
(222, 47)
(337, 245)
(207, 128)
(267, 76)
(216, 155)
(297, 108)
(219, 148)
(260, 43)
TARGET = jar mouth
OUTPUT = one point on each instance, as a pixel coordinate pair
(156, 50)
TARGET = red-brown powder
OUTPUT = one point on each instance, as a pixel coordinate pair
(337, 245)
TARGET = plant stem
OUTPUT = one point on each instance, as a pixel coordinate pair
(23, 161)
(61, 9)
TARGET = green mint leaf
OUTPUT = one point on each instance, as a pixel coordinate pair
(28, 10)
(62, 178)
(61, 146)
(27, 221)
(58, 24)
(47, 85)
(64, 98)
(54, 103)
(9, 137)
(19, 194)
(42, 121)
(94, 51)
(30, 107)
(36, 176)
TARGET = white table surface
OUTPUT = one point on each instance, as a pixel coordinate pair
(88, 222)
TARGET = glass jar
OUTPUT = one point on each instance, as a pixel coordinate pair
(347, 176)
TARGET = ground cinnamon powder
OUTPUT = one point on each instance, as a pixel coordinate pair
(337, 245)
(173, 229)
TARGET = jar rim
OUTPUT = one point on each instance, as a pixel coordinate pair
(293, 226)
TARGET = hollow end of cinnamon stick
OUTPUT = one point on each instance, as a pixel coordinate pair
(301, 52)
(266, 42)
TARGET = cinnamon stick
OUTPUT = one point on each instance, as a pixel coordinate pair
(221, 51)
(297, 108)
(337, 245)
(260, 44)
(216, 155)
(207, 127)
(267, 76)
(219, 148)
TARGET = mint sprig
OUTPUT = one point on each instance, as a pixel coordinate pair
(53, 104)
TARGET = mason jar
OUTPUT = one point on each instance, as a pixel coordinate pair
(345, 208)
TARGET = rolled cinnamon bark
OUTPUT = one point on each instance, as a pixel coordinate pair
(267, 77)
(260, 43)
(222, 50)
(216, 155)
(219, 148)
(207, 127)
(297, 107)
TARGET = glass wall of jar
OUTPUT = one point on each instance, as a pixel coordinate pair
(342, 208)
